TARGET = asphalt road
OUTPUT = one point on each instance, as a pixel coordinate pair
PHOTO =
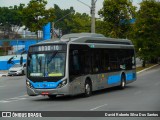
(142, 95)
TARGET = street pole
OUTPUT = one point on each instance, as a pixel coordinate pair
(93, 16)
(52, 30)
(92, 9)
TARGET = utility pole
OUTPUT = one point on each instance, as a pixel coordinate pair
(93, 2)
(92, 8)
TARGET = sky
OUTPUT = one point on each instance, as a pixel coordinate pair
(64, 4)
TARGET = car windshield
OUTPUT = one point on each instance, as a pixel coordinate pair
(17, 65)
(49, 64)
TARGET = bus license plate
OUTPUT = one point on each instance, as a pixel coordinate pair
(45, 93)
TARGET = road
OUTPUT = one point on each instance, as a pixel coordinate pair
(142, 95)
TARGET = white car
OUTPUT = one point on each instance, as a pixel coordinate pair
(17, 69)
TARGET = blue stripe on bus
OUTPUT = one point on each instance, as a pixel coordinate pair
(117, 78)
(45, 85)
(114, 79)
(130, 76)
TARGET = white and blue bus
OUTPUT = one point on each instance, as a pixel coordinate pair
(79, 63)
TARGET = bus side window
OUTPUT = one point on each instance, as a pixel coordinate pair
(75, 60)
(127, 59)
(84, 60)
(95, 60)
(74, 63)
(130, 59)
(113, 60)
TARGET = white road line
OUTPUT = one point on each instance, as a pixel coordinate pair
(17, 97)
(14, 98)
(23, 97)
(3, 101)
(6, 101)
(98, 107)
(138, 92)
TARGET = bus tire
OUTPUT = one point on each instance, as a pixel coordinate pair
(88, 89)
(123, 82)
(52, 96)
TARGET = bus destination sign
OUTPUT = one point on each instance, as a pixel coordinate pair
(42, 48)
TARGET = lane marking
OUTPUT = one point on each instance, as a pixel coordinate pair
(13, 99)
(17, 97)
(4, 101)
(138, 92)
(98, 107)
(23, 97)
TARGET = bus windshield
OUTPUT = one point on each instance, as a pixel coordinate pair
(48, 64)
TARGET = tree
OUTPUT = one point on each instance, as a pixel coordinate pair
(79, 23)
(70, 22)
(36, 15)
(101, 27)
(117, 15)
(11, 20)
(147, 31)
(61, 18)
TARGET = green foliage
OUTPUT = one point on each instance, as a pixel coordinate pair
(36, 15)
(61, 18)
(116, 15)
(101, 27)
(11, 18)
(147, 30)
(70, 22)
(79, 23)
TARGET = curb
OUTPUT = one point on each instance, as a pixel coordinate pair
(147, 68)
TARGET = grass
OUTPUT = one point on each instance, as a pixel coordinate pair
(141, 68)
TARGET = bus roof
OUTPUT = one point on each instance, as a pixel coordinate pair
(88, 38)
(72, 36)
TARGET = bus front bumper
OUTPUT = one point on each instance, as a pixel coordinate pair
(59, 91)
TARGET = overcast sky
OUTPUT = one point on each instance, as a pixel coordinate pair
(63, 4)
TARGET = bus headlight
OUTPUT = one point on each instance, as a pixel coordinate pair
(63, 83)
(29, 84)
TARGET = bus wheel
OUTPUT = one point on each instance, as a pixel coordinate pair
(52, 96)
(88, 89)
(123, 82)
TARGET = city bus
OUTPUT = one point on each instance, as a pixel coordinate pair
(79, 64)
